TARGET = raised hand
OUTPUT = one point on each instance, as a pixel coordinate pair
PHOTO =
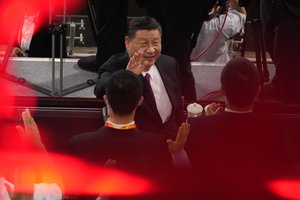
(213, 109)
(137, 63)
(17, 52)
(177, 146)
(30, 133)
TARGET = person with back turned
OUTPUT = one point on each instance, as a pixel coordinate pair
(235, 152)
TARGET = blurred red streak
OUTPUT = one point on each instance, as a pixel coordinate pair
(11, 18)
(12, 13)
(78, 177)
(7, 100)
(289, 189)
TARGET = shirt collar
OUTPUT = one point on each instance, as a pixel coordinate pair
(127, 126)
(150, 71)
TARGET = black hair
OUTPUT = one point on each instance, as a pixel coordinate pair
(142, 23)
(240, 81)
(123, 91)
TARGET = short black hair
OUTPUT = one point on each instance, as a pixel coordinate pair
(142, 23)
(123, 90)
(240, 81)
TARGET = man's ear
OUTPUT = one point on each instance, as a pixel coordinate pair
(105, 99)
(140, 101)
(127, 42)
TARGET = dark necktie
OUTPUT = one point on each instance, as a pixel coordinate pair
(148, 78)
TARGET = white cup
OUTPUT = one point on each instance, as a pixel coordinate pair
(194, 110)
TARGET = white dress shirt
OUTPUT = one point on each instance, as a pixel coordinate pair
(162, 99)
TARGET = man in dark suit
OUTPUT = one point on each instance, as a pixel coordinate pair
(119, 138)
(281, 22)
(161, 110)
(236, 152)
(181, 21)
(110, 27)
(142, 153)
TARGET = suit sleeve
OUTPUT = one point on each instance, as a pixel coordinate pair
(105, 72)
(99, 90)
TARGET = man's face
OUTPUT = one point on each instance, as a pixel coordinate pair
(147, 40)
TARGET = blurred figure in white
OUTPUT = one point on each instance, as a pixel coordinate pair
(220, 51)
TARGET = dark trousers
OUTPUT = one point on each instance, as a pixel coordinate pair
(111, 22)
(286, 51)
(179, 48)
(179, 21)
(267, 28)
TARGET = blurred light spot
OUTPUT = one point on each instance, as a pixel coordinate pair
(73, 175)
(289, 189)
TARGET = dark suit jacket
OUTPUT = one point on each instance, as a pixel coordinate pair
(178, 18)
(134, 150)
(293, 6)
(235, 155)
(139, 153)
(285, 25)
(181, 22)
(147, 117)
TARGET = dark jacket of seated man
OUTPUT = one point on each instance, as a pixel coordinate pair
(161, 110)
(119, 139)
(235, 153)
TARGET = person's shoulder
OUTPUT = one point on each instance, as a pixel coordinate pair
(115, 61)
(85, 142)
(219, 121)
(150, 137)
(166, 62)
(119, 56)
(86, 136)
(272, 119)
(166, 58)
(234, 15)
